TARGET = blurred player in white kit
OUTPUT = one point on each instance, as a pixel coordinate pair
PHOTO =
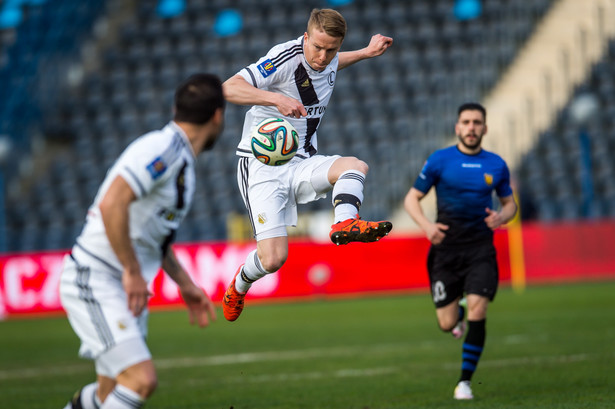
(126, 240)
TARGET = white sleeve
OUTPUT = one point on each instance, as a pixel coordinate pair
(144, 167)
(264, 73)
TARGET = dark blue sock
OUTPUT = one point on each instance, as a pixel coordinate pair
(462, 313)
(472, 348)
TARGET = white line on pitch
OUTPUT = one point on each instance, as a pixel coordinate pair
(293, 355)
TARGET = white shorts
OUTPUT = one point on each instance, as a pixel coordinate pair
(271, 193)
(97, 309)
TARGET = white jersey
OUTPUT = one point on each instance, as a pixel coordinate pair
(159, 167)
(285, 70)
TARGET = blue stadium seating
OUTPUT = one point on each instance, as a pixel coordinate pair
(561, 149)
(392, 111)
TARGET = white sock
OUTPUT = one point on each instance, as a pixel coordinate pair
(347, 195)
(89, 399)
(252, 271)
(123, 398)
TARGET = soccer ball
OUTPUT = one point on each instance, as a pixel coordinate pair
(274, 141)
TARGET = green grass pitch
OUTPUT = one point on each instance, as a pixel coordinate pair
(549, 347)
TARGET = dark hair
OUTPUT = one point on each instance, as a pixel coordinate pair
(197, 98)
(472, 106)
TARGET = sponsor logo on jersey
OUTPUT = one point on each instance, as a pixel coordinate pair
(488, 179)
(156, 167)
(305, 83)
(266, 68)
(318, 110)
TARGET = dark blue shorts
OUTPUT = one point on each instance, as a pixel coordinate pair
(455, 271)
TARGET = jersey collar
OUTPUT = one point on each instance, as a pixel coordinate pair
(469, 154)
(184, 138)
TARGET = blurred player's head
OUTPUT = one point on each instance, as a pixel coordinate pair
(199, 101)
(471, 125)
(326, 30)
(472, 106)
(198, 98)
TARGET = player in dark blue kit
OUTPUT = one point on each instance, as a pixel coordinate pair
(462, 257)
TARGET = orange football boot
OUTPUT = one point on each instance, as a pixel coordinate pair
(359, 230)
(233, 301)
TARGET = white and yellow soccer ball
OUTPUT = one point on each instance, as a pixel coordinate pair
(274, 141)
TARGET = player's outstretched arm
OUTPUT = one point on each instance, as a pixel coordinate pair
(201, 309)
(238, 91)
(377, 46)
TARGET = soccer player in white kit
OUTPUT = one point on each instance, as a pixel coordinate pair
(127, 238)
(295, 80)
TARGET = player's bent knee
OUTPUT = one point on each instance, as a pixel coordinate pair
(140, 378)
(149, 386)
(350, 163)
(358, 164)
(144, 385)
(364, 168)
(272, 263)
(446, 328)
(447, 325)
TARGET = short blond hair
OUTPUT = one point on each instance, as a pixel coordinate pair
(329, 21)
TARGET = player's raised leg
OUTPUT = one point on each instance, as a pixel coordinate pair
(348, 176)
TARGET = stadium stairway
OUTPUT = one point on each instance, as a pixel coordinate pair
(571, 38)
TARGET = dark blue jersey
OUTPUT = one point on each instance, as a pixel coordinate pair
(464, 185)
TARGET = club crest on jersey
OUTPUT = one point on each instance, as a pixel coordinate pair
(266, 68)
(156, 167)
(488, 179)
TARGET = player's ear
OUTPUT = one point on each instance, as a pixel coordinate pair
(219, 116)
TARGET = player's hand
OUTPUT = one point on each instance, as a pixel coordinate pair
(201, 309)
(378, 45)
(136, 289)
(290, 107)
(435, 232)
(494, 219)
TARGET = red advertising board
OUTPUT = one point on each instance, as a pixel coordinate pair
(29, 281)
(569, 251)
